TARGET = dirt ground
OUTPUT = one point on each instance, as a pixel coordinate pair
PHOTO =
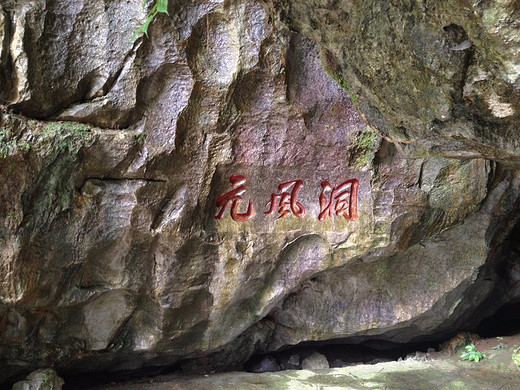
(439, 370)
(498, 350)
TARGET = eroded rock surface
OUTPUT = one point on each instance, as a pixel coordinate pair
(440, 77)
(40, 380)
(113, 156)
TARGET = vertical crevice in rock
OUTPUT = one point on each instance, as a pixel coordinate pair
(6, 67)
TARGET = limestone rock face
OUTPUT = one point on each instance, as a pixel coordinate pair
(440, 77)
(40, 380)
(316, 361)
(116, 158)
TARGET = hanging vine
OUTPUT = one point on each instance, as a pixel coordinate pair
(160, 6)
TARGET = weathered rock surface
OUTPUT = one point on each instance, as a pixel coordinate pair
(439, 77)
(113, 156)
(291, 362)
(267, 364)
(40, 380)
(316, 361)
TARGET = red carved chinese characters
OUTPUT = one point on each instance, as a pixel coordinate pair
(342, 201)
(343, 196)
(234, 197)
(286, 202)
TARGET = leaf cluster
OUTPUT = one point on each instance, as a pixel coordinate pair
(500, 346)
(160, 6)
(471, 353)
(516, 357)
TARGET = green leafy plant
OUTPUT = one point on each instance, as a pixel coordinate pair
(61, 128)
(24, 146)
(139, 139)
(47, 380)
(516, 357)
(343, 84)
(367, 138)
(500, 345)
(471, 353)
(160, 6)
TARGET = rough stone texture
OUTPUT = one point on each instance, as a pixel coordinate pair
(316, 361)
(422, 271)
(40, 380)
(267, 364)
(291, 362)
(439, 77)
(112, 157)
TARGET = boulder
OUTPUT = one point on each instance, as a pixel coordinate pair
(316, 361)
(267, 364)
(43, 379)
(291, 362)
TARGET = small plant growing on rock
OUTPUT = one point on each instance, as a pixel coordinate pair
(337, 75)
(160, 6)
(363, 147)
(9, 145)
(47, 380)
(516, 357)
(500, 345)
(471, 353)
(67, 136)
(139, 139)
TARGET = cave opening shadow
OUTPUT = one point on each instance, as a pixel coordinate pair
(502, 309)
(505, 322)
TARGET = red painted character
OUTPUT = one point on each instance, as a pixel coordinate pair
(345, 198)
(286, 202)
(234, 197)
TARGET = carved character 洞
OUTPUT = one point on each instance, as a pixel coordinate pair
(343, 200)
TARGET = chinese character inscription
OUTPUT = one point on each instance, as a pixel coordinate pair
(340, 200)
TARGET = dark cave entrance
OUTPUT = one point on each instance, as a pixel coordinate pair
(505, 322)
(340, 354)
(501, 312)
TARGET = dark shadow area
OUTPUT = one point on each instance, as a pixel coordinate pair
(500, 314)
(338, 355)
(505, 322)
(92, 380)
